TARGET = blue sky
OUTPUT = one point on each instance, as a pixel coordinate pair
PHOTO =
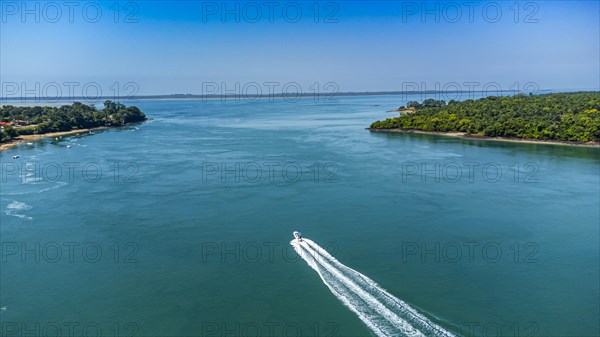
(178, 47)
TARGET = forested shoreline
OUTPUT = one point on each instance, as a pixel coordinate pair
(37, 120)
(567, 117)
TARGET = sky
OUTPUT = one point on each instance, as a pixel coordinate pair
(201, 47)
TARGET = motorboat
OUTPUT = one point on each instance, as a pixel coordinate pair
(18, 156)
(298, 236)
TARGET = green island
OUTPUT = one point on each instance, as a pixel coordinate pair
(16, 122)
(560, 117)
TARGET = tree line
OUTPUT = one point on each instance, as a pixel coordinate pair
(44, 119)
(560, 116)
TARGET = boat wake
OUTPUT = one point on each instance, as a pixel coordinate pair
(383, 313)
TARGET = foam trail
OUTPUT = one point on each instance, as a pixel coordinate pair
(59, 184)
(15, 207)
(383, 313)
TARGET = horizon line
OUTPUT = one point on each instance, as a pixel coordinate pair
(277, 95)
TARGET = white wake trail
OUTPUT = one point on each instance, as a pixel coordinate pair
(383, 313)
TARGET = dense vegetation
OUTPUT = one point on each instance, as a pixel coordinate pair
(563, 116)
(40, 120)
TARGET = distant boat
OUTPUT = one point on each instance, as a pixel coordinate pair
(29, 144)
(16, 156)
(68, 146)
(297, 236)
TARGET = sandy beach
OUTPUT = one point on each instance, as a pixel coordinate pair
(31, 138)
(464, 135)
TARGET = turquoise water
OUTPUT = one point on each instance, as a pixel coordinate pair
(154, 231)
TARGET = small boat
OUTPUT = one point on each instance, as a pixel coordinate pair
(298, 236)
(68, 146)
(16, 156)
(30, 144)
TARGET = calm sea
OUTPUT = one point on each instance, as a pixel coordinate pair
(181, 226)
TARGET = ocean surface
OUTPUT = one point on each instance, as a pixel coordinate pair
(181, 226)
